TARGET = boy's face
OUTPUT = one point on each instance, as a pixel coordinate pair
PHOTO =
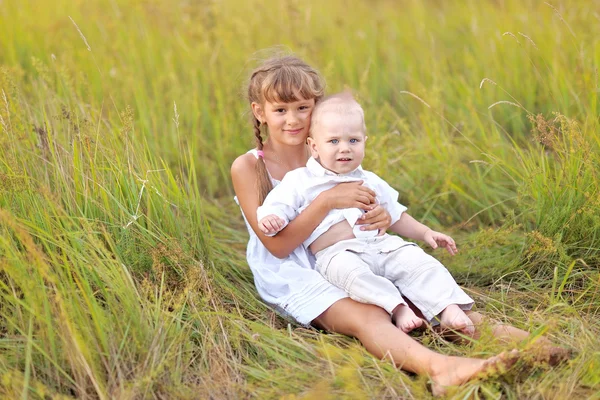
(338, 142)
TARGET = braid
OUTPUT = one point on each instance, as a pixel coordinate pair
(283, 79)
(263, 180)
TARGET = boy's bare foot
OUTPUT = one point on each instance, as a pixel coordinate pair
(405, 318)
(455, 319)
(455, 371)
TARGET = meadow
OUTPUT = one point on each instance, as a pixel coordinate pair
(122, 252)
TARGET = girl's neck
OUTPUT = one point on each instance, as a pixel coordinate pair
(286, 157)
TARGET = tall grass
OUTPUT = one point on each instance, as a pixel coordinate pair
(122, 271)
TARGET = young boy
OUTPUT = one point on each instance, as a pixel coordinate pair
(376, 269)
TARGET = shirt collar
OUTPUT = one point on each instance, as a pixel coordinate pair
(318, 170)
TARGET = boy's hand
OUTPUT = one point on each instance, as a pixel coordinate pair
(271, 224)
(377, 218)
(435, 239)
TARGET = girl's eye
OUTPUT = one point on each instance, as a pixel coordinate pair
(280, 110)
(304, 107)
(334, 141)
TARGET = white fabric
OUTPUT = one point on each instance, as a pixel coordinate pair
(377, 270)
(301, 186)
(290, 285)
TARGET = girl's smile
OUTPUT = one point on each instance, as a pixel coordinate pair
(287, 122)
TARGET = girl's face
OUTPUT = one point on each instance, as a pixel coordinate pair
(288, 122)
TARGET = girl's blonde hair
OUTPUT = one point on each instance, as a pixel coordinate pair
(279, 80)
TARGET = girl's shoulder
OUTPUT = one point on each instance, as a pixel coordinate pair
(244, 164)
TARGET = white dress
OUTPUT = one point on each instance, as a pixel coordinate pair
(291, 285)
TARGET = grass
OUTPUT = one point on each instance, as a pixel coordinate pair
(122, 269)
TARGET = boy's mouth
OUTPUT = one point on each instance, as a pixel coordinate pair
(344, 159)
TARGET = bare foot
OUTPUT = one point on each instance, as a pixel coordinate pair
(546, 352)
(455, 319)
(456, 371)
(405, 318)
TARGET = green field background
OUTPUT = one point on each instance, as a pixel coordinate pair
(122, 265)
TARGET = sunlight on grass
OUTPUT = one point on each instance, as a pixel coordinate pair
(122, 253)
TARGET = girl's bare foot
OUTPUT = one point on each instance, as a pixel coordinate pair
(405, 318)
(455, 371)
(455, 319)
(546, 352)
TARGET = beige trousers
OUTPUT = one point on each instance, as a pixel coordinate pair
(382, 269)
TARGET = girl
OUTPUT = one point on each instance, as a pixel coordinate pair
(282, 93)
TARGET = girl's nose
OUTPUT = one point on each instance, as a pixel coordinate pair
(292, 119)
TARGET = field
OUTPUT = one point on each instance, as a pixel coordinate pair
(122, 252)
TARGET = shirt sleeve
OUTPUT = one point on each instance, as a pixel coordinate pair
(387, 196)
(283, 201)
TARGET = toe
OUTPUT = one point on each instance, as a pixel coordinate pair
(469, 330)
(559, 355)
(459, 325)
(436, 389)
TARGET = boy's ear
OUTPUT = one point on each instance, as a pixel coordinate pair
(312, 145)
(258, 111)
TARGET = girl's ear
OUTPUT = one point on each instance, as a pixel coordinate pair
(312, 145)
(258, 111)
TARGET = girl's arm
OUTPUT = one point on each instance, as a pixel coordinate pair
(345, 195)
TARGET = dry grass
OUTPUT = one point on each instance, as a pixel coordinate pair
(122, 271)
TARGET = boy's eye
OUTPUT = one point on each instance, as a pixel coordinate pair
(354, 140)
(334, 141)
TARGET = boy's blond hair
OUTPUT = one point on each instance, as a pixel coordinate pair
(342, 103)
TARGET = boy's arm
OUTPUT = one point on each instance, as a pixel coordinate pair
(405, 225)
(409, 227)
(283, 201)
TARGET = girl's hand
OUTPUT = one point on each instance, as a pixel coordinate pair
(350, 195)
(434, 239)
(271, 224)
(377, 218)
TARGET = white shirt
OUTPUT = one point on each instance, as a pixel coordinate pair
(290, 285)
(302, 185)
